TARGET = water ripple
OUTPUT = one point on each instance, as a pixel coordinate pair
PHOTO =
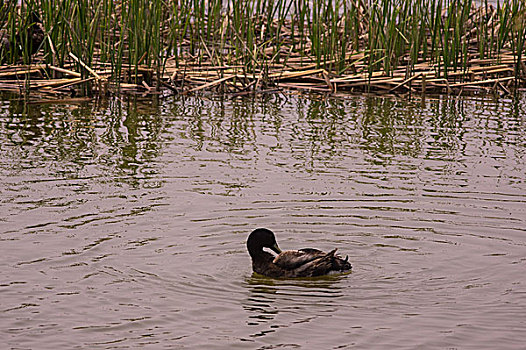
(123, 224)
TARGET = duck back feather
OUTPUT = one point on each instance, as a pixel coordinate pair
(291, 259)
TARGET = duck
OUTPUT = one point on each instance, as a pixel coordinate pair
(29, 40)
(306, 262)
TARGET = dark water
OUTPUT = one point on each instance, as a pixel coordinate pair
(123, 224)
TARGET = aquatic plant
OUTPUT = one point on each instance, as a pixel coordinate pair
(96, 46)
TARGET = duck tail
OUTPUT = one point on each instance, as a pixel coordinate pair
(332, 252)
(339, 263)
(327, 258)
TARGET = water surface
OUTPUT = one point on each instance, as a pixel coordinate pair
(123, 223)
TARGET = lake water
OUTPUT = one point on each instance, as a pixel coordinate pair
(123, 223)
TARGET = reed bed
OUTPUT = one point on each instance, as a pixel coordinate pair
(101, 47)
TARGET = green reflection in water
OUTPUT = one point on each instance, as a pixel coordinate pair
(126, 137)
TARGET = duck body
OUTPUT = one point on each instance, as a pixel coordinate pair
(29, 39)
(307, 262)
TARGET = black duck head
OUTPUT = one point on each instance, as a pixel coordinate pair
(261, 238)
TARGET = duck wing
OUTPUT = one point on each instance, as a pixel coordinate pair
(292, 259)
(317, 267)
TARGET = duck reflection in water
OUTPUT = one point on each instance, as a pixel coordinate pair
(276, 303)
(259, 303)
(306, 262)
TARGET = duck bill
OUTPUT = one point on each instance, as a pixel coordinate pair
(275, 248)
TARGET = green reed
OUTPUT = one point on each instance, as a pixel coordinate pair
(15, 27)
(128, 35)
(518, 36)
(7, 23)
